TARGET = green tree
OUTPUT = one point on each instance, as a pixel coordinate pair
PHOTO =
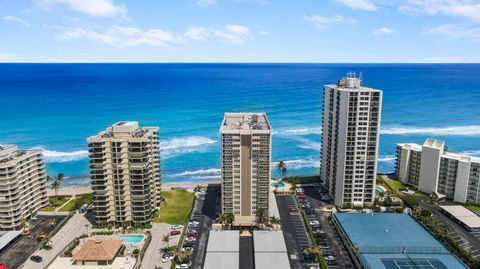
(56, 185)
(261, 216)
(282, 169)
(166, 240)
(222, 218)
(182, 256)
(229, 219)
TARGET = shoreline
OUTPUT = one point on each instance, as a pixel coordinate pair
(71, 191)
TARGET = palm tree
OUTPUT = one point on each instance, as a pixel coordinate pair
(229, 219)
(181, 256)
(166, 240)
(261, 216)
(274, 220)
(282, 169)
(222, 218)
(56, 185)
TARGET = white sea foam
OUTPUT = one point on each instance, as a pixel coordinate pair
(473, 153)
(468, 130)
(308, 144)
(184, 145)
(52, 156)
(296, 164)
(386, 159)
(210, 173)
(297, 131)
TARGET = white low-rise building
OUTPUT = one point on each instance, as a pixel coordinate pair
(431, 168)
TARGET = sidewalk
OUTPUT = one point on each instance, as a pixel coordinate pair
(75, 227)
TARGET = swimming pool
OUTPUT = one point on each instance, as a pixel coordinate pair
(131, 239)
(278, 184)
(378, 189)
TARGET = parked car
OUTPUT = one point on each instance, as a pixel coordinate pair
(314, 222)
(190, 239)
(36, 259)
(309, 210)
(175, 232)
(187, 249)
(188, 244)
(301, 197)
(181, 266)
(193, 223)
(177, 227)
(308, 256)
(293, 210)
(192, 234)
(167, 257)
(330, 258)
(327, 252)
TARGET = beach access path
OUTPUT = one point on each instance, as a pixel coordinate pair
(75, 226)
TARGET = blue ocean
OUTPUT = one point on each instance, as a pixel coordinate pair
(55, 107)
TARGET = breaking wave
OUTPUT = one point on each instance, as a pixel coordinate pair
(469, 130)
(211, 173)
(52, 156)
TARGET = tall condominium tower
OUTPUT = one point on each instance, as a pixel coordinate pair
(23, 185)
(246, 161)
(351, 125)
(125, 173)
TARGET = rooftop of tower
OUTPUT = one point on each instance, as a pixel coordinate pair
(245, 121)
(125, 129)
(351, 82)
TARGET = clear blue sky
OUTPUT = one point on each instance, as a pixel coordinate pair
(240, 31)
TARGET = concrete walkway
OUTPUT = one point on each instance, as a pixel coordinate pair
(153, 255)
(76, 226)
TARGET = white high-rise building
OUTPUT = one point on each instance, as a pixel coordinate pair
(125, 173)
(246, 165)
(431, 168)
(23, 185)
(351, 125)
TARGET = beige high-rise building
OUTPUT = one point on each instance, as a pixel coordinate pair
(351, 125)
(246, 165)
(125, 173)
(23, 185)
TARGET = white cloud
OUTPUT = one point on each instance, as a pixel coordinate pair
(366, 5)
(16, 20)
(469, 9)
(121, 37)
(383, 31)
(99, 8)
(452, 31)
(263, 33)
(322, 23)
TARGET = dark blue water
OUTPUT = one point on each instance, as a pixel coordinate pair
(57, 106)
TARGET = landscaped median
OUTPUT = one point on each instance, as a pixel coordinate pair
(55, 202)
(176, 207)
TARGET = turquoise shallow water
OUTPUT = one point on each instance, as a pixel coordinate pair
(129, 239)
(57, 106)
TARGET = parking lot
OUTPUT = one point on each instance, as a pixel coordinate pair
(470, 241)
(328, 239)
(206, 208)
(21, 249)
(293, 227)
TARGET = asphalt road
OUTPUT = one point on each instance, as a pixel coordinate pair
(204, 212)
(294, 230)
(334, 241)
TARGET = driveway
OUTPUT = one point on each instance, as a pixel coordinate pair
(153, 255)
(76, 226)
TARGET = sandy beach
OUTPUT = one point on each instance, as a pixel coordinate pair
(165, 186)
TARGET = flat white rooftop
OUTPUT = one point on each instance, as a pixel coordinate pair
(118, 263)
(8, 237)
(222, 260)
(269, 241)
(245, 121)
(268, 260)
(224, 241)
(467, 217)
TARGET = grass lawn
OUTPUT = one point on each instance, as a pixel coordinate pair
(469, 206)
(48, 209)
(392, 184)
(70, 206)
(175, 209)
(60, 200)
